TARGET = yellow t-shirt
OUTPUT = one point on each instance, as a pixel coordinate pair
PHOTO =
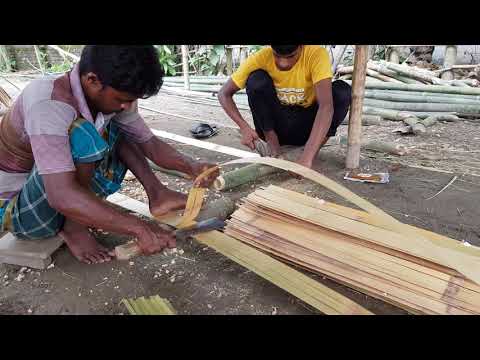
(295, 86)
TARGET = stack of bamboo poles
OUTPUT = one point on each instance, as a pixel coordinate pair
(353, 248)
(202, 84)
(416, 96)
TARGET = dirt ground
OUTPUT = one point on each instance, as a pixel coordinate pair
(197, 280)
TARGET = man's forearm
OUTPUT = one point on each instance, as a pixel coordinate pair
(82, 206)
(231, 109)
(166, 156)
(322, 123)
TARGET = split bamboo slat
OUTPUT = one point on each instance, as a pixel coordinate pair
(353, 248)
(155, 305)
(285, 277)
(413, 241)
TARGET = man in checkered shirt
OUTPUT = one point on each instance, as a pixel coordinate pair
(66, 144)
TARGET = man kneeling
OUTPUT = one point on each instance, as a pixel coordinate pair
(66, 144)
(291, 96)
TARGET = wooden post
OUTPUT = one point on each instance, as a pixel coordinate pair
(355, 120)
(186, 75)
(449, 61)
(229, 55)
(4, 56)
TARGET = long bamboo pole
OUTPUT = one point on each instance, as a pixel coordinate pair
(186, 75)
(229, 55)
(355, 120)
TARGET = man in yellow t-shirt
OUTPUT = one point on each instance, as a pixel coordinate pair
(291, 96)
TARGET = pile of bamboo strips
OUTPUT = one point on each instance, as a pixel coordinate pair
(155, 305)
(352, 247)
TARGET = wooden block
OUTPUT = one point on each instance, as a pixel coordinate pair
(34, 253)
(31, 262)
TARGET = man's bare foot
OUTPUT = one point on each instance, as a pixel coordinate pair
(165, 200)
(82, 244)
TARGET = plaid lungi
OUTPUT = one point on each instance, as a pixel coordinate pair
(29, 216)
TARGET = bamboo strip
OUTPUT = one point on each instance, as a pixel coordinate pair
(346, 249)
(429, 287)
(310, 291)
(155, 305)
(415, 243)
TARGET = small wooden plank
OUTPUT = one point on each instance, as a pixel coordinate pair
(31, 253)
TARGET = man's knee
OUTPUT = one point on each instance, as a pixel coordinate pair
(86, 144)
(258, 81)
(341, 93)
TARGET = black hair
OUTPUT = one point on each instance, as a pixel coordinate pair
(135, 70)
(284, 49)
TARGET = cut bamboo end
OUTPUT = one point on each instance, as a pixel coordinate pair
(219, 183)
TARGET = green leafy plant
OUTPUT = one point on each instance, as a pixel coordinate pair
(168, 58)
(3, 66)
(254, 48)
(206, 60)
(60, 68)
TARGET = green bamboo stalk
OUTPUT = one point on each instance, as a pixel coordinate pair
(384, 70)
(427, 94)
(401, 115)
(242, 176)
(418, 87)
(387, 96)
(432, 107)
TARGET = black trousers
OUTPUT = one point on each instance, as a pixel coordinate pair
(292, 124)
